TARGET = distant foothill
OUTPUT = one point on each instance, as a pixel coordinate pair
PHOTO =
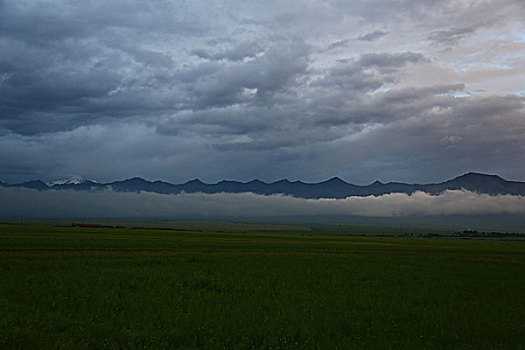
(332, 188)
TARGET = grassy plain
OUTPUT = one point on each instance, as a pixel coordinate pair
(81, 288)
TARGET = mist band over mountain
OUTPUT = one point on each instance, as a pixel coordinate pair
(334, 188)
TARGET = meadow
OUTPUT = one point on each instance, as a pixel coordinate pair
(93, 288)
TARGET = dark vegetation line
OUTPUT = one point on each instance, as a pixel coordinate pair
(465, 233)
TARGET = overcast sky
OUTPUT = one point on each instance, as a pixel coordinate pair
(394, 90)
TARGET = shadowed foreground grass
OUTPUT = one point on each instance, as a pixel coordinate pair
(75, 288)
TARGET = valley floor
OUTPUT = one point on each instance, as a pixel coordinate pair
(97, 288)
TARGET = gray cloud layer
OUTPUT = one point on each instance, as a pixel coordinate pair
(372, 36)
(103, 204)
(241, 90)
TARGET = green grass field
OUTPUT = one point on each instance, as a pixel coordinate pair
(80, 288)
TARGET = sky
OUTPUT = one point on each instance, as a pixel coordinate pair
(390, 90)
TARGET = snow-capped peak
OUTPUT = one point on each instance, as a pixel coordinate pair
(73, 180)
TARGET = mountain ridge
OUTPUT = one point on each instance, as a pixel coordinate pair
(334, 187)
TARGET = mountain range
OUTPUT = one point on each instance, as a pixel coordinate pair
(333, 188)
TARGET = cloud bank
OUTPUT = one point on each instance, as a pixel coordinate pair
(30, 203)
(397, 90)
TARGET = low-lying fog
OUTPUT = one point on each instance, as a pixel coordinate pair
(18, 202)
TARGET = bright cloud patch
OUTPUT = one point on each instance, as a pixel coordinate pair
(104, 204)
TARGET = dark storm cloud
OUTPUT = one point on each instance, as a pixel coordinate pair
(372, 36)
(45, 24)
(178, 90)
(463, 20)
(269, 73)
(339, 43)
(385, 60)
(65, 65)
(451, 36)
(387, 107)
(237, 53)
(74, 93)
(447, 132)
(282, 121)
